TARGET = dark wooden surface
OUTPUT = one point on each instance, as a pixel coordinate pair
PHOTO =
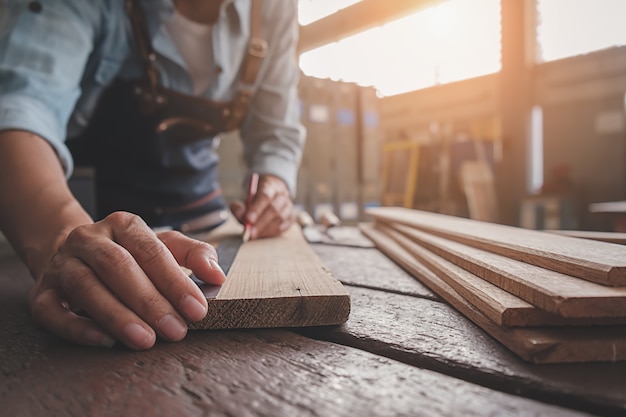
(402, 352)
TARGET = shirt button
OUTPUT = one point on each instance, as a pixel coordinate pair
(218, 69)
(35, 7)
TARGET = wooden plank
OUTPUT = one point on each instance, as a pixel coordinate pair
(590, 260)
(432, 335)
(277, 282)
(262, 373)
(219, 372)
(237, 373)
(504, 308)
(608, 207)
(549, 290)
(609, 237)
(537, 345)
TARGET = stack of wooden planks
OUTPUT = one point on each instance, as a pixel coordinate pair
(548, 298)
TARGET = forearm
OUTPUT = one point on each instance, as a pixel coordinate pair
(37, 209)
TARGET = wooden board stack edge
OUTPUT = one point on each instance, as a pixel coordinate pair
(502, 307)
(600, 262)
(535, 344)
(277, 282)
(561, 294)
(609, 237)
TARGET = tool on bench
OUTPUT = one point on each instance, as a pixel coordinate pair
(330, 231)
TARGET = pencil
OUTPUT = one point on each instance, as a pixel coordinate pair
(252, 189)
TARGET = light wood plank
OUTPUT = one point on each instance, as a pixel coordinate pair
(549, 290)
(609, 237)
(600, 262)
(538, 344)
(501, 306)
(277, 282)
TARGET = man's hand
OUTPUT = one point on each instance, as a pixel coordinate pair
(118, 280)
(271, 212)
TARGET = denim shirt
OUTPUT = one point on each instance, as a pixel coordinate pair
(57, 56)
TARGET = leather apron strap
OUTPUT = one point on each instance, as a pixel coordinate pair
(167, 175)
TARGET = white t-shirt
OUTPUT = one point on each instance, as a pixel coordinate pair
(193, 41)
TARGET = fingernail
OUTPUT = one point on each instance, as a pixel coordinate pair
(193, 308)
(97, 338)
(215, 265)
(172, 328)
(139, 336)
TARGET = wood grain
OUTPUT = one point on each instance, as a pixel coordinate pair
(609, 237)
(549, 290)
(600, 262)
(274, 372)
(369, 268)
(537, 345)
(501, 306)
(277, 282)
(245, 373)
(433, 335)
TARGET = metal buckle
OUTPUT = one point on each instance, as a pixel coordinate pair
(257, 47)
(171, 122)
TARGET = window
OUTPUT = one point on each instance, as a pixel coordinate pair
(452, 41)
(573, 27)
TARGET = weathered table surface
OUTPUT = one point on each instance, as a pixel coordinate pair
(402, 352)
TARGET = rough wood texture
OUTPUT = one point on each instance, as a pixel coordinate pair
(369, 268)
(432, 335)
(263, 373)
(551, 291)
(590, 260)
(222, 373)
(537, 345)
(502, 307)
(277, 282)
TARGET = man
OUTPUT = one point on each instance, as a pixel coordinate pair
(138, 89)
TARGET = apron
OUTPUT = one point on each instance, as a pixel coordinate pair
(154, 149)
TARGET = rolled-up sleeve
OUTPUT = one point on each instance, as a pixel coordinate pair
(44, 47)
(273, 135)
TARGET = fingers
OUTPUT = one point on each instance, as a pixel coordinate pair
(198, 256)
(150, 255)
(52, 313)
(238, 208)
(275, 219)
(271, 213)
(115, 291)
(86, 292)
(128, 280)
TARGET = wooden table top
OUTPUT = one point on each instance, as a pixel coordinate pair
(402, 352)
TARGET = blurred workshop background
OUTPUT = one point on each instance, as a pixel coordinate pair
(510, 111)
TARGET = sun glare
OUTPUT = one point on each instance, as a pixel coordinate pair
(455, 40)
(587, 26)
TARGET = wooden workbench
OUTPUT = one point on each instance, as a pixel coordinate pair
(402, 352)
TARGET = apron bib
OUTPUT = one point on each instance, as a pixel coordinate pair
(152, 148)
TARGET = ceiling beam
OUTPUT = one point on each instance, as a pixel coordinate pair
(357, 18)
